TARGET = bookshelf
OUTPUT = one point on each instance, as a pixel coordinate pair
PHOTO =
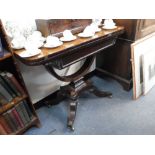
(11, 104)
(20, 108)
(6, 55)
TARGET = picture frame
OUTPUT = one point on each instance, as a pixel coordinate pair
(148, 71)
(138, 49)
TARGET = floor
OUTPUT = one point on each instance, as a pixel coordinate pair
(101, 116)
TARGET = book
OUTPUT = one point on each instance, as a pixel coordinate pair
(17, 116)
(15, 82)
(13, 119)
(2, 130)
(5, 125)
(26, 115)
(10, 84)
(8, 119)
(3, 99)
(5, 93)
(2, 82)
(28, 109)
(21, 114)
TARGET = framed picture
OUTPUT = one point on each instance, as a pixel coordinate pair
(148, 70)
(138, 49)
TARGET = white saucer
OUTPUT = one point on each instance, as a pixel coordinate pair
(84, 35)
(27, 54)
(109, 27)
(17, 48)
(53, 46)
(40, 44)
(42, 39)
(97, 30)
(68, 39)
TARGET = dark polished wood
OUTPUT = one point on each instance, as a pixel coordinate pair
(57, 26)
(8, 63)
(115, 61)
(69, 53)
(80, 44)
(52, 99)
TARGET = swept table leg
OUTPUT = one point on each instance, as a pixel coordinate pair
(72, 114)
(100, 93)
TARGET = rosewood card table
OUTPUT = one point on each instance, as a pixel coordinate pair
(68, 54)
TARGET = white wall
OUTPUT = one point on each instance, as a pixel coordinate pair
(40, 83)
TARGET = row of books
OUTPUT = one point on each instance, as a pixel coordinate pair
(9, 88)
(16, 118)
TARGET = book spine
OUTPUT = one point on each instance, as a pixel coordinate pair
(13, 119)
(9, 121)
(5, 93)
(28, 109)
(21, 114)
(5, 125)
(10, 84)
(25, 112)
(2, 130)
(3, 99)
(15, 82)
(17, 116)
(7, 87)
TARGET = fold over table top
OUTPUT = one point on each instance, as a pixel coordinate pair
(54, 53)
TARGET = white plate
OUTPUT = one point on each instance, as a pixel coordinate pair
(39, 45)
(53, 46)
(84, 35)
(97, 30)
(68, 39)
(42, 39)
(27, 54)
(17, 48)
(108, 28)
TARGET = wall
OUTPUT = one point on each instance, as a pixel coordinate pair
(40, 83)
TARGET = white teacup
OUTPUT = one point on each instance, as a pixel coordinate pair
(68, 34)
(89, 30)
(31, 48)
(52, 41)
(109, 23)
(37, 34)
(94, 26)
(96, 21)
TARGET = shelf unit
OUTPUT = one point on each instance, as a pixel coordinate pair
(11, 104)
(8, 63)
(33, 122)
(6, 55)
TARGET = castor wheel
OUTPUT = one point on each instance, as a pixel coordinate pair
(71, 128)
(47, 104)
(110, 96)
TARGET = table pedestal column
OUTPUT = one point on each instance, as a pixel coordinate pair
(77, 85)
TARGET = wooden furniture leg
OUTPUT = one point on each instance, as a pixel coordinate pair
(76, 86)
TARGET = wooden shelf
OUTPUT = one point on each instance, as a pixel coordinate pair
(11, 104)
(33, 122)
(8, 63)
(6, 55)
